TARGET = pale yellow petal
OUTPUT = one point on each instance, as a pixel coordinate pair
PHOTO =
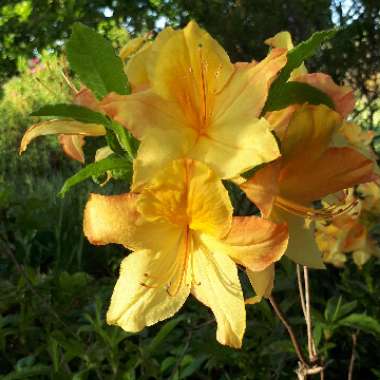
(103, 153)
(157, 149)
(142, 294)
(72, 146)
(231, 149)
(57, 127)
(262, 283)
(216, 284)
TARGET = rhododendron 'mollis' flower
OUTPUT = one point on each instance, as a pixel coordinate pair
(185, 240)
(308, 170)
(197, 104)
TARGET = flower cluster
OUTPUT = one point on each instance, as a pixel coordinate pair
(201, 119)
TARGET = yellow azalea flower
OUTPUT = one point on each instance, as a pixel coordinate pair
(197, 104)
(346, 234)
(341, 96)
(70, 133)
(370, 194)
(185, 240)
(308, 170)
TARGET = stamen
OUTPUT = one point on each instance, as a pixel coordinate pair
(325, 213)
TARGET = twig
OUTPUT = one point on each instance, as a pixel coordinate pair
(290, 331)
(352, 359)
(310, 341)
(300, 289)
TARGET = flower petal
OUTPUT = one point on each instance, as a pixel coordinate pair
(157, 150)
(142, 294)
(191, 65)
(72, 146)
(216, 284)
(342, 96)
(310, 132)
(335, 170)
(86, 98)
(262, 283)
(302, 248)
(188, 192)
(252, 242)
(142, 112)
(115, 219)
(263, 187)
(56, 127)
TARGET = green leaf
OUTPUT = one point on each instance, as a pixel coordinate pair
(96, 169)
(72, 111)
(125, 139)
(362, 322)
(163, 333)
(93, 59)
(302, 51)
(296, 93)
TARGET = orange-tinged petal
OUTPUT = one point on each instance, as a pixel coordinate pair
(115, 219)
(302, 248)
(262, 283)
(216, 284)
(263, 187)
(86, 98)
(252, 242)
(57, 127)
(336, 169)
(72, 146)
(342, 96)
(131, 47)
(142, 293)
(142, 112)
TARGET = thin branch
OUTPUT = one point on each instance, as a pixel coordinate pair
(290, 331)
(300, 289)
(310, 341)
(352, 359)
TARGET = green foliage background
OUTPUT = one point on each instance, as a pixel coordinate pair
(56, 287)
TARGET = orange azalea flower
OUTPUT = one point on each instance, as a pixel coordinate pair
(71, 132)
(185, 240)
(308, 170)
(196, 104)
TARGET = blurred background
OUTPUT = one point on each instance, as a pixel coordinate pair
(56, 287)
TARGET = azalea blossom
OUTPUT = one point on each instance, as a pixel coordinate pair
(71, 133)
(185, 240)
(191, 101)
(308, 170)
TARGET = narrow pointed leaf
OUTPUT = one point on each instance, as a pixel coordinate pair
(72, 111)
(98, 168)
